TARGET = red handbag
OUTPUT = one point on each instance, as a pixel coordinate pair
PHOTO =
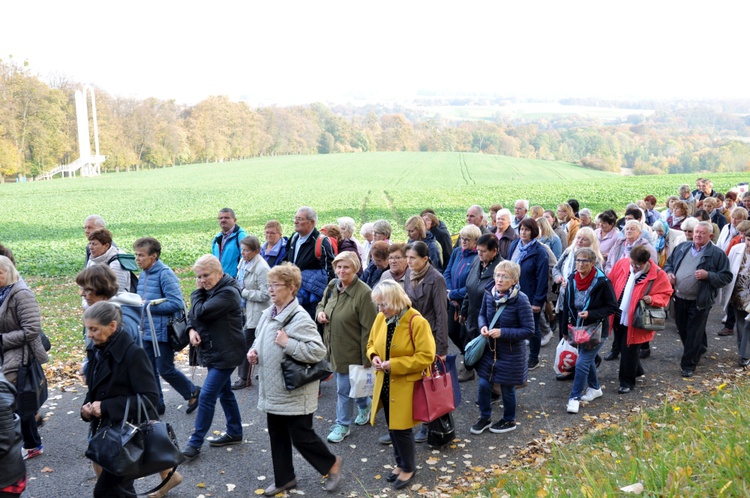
(433, 394)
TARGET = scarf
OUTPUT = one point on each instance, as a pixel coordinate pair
(583, 283)
(416, 277)
(4, 291)
(662, 242)
(627, 294)
(396, 276)
(501, 299)
(521, 250)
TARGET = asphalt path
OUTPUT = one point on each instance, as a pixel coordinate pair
(244, 470)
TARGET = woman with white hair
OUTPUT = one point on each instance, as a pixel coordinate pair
(633, 237)
(585, 216)
(348, 242)
(368, 233)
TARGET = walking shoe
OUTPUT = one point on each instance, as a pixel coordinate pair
(534, 364)
(385, 439)
(338, 433)
(744, 362)
(32, 452)
(421, 436)
(644, 353)
(725, 331)
(547, 338)
(193, 401)
(573, 405)
(502, 426)
(191, 453)
(481, 425)
(334, 478)
(225, 440)
(591, 394)
(687, 373)
(173, 482)
(274, 490)
(239, 384)
(363, 415)
(465, 375)
(612, 355)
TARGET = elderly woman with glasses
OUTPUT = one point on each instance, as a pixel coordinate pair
(589, 300)
(506, 322)
(396, 264)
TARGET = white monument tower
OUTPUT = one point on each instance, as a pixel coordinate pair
(90, 165)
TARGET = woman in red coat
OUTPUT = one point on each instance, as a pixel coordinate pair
(630, 278)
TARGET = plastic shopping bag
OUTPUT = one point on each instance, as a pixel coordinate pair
(565, 357)
(361, 380)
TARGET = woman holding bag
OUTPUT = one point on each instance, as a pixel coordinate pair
(633, 279)
(506, 321)
(400, 347)
(589, 300)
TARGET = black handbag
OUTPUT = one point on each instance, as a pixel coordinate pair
(647, 317)
(31, 385)
(177, 332)
(136, 450)
(441, 431)
(298, 374)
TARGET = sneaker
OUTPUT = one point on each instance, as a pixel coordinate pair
(481, 425)
(502, 426)
(533, 365)
(547, 338)
(363, 415)
(421, 435)
(338, 433)
(32, 452)
(591, 394)
(573, 405)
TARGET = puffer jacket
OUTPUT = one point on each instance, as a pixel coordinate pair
(504, 360)
(216, 315)
(20, 324)
(456, 272)
(158, 282)
(304, 345)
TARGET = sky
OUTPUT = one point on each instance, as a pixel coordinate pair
(297, 52)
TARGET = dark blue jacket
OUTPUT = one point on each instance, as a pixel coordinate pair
(155, 283)
(231, 254)
(505, 359)
(371, 275)
(534, 272)
(274, 259)
(456, 272)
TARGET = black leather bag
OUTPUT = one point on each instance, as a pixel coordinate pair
(135, 450)
(31, 385)
(441, 431)
(298, 374)
(177, 332)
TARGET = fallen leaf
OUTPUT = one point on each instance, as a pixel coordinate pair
(200, 485)
(230, 487)
(46, 470)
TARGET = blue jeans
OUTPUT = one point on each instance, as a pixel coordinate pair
(485, 400)
(535, 343)
(216, 386)
(164, 368)
(586, 371)
(345, 404)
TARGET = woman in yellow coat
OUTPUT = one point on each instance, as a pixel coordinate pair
(400, 347)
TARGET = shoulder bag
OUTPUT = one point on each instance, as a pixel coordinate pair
(298, 373)
(433, 394)
(649, 317)
(475, 348)
(31, 385)
(177, 331)
(585, 336)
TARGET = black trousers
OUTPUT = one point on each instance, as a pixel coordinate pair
(287, 430)
(243, 370)
(404, 448)
(456, 331)
(691, 325)
(111, 486)
(630, 359)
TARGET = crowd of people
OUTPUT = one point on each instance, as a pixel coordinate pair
(512, 278)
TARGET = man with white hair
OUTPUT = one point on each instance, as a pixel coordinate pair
(475, 216)
(93, 222)
(521, 207)
(696, 270)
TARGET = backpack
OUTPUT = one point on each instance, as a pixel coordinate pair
(127, 262)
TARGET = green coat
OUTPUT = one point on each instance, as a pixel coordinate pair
(350, 316)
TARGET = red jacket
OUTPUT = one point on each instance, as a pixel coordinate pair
(660, 292)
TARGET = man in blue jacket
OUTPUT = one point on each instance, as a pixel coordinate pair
(226, 244)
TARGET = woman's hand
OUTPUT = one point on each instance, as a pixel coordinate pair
(91, 410)
(583, 315)
(379, 364)
(195, 337)
(462, 320)
(559, 279)
(281, 338)
(322, 318)
(536, 309)
(494, 333)
(647, 299)
(385, 366)
(484, 331)
(198, 283)
(252, 357)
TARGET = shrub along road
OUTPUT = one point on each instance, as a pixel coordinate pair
(245, 469)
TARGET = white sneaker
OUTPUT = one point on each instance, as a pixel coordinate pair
(591, 394)
(546, 338)
(573, 405)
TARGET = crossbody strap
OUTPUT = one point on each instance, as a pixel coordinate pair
(497, 315)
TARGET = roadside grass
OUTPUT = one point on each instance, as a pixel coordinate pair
(695, 447)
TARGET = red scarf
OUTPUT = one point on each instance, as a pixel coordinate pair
(583, 283)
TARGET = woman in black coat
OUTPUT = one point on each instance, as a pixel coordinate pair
(12, 468)
(117, 371)
(480, 274)
(215, 327)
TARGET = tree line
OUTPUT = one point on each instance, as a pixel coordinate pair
(38, 132)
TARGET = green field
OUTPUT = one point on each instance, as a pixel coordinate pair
(43, 221)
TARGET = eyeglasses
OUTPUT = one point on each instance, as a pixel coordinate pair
(275, 286)
(466, 239)
(395, 258)
(582, 261)
(502, 276)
